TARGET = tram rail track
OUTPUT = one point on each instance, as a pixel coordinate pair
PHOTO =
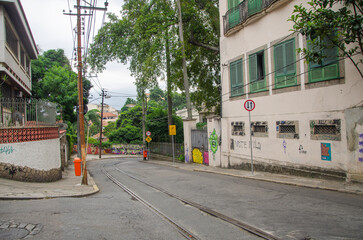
(242, 225)
(187, 234)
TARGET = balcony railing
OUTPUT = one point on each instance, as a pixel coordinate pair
(20, 112)
(243, 11)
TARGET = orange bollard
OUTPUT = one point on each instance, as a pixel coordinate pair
(145, 154)
(77, 166)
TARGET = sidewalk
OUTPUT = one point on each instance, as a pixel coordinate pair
(70, 185)
(340, 186)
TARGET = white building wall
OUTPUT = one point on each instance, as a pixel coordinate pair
(40, 155)
(302, 105)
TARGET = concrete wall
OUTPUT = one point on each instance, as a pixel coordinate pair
(31, 161)
(334, 101)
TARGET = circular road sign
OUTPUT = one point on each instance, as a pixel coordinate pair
(148, 133)
(249, 105)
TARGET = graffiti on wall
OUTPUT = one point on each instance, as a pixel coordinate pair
(325, 151)
(7, 150)
(284, 145)
(360, 143)
(187, 154)
(301, 150)
(126, 149)
(197, 156)
(213, 142)
(236, 144)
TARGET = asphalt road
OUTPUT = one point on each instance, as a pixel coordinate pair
(285, 211)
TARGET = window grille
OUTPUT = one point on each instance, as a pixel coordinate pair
(261, 129)
(287, 129)
(325, 129)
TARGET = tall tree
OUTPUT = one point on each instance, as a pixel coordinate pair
(54, 80)
(146, 38)
(338, 21)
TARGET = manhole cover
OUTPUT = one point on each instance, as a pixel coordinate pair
(13, 233)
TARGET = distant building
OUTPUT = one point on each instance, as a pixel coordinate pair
(17, 49)
(106, 108)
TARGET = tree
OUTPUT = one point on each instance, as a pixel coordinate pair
(54, 80)
(127, 102)
(343, 18)
(93, 116)
(146, 37)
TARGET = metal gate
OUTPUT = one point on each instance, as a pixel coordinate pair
(200, 146)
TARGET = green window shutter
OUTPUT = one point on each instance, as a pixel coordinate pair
(329, 68)
(290, 57)
(254, 6)
(233, 14)
(279, 60)
(236, 77)
(285, 64)
(253, 67)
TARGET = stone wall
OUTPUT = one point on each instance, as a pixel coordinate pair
(27, 174)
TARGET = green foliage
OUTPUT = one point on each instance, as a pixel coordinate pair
(201, 125)
(93, 141)
(327, 16)
(142, 35)
(54, 80)
(128, 101)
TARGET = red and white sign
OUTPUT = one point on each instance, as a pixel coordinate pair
(249, 105)
(148, 133)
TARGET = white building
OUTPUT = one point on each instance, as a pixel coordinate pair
(307, 117)
(17, 48)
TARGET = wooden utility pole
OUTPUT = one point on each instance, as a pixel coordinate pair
(185, 73)
(80, 94)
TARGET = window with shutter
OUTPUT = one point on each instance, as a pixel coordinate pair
(329, 67)
(236, 78)
(285, 64)
(257, 72)
(233, 12)
(254, 6)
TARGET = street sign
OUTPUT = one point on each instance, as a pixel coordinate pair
(249, 105)
(172, 130)
(148, 133)
(148, 139)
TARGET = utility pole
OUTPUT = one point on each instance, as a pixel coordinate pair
(80, 93)
(103, 96)
(80, 81)
(185, 73)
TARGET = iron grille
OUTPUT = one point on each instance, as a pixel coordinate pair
(287, 129)
(325, 129)
(237, 128)
(261, 129)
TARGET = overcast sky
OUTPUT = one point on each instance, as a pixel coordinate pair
(53, 30)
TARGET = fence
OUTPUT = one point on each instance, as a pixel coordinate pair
(166, 149)
(21, 112)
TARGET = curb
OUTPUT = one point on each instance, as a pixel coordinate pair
(356, 192)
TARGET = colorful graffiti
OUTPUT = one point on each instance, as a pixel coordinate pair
(213, 141)
(360, 143)
(206, 158)
(197, 156)
(127, 149)
(325, 151)
(122, 149)
(7, 150)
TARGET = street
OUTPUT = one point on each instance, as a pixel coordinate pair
(161, 207)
